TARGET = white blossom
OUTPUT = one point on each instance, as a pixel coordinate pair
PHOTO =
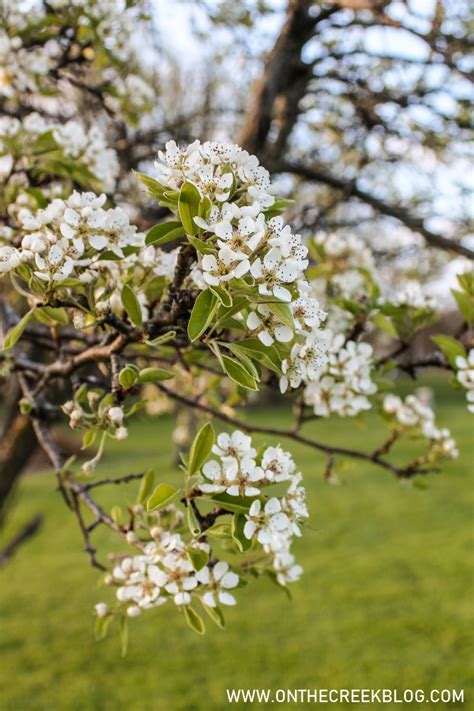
(464, 375)
(218, 581)
(269, 327)
(140, 582)
(264, 523)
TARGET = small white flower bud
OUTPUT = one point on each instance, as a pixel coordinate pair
(133, 611)
(79, 320)
(109, 579)
(102, 307)
(75, 418)
(101, 609)
(115, 415)
(155, 532)
(131, 537)
(121, 433)
(92, 398)
(85, 278)
(25, 255)
(68, 407)
(88, 467)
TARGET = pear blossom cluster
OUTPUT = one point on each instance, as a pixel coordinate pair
(96, 415)
(465, 376)
(345, 252)
(88, 147)
(219, 170)
(164, 571)
(109, 25)
(111, 417)
(248, 245)
(413, 414)
(23, 69)
(240, 471)
(135, 92)
(347, 260)
(239, 191)
(113, 20)
(412, 294)
(345, 385)
(67, 238)
(172, 566)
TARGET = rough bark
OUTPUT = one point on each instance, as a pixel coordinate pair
(284, 74)
(16, 447)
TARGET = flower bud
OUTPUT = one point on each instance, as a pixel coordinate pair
(133, 611)
(88, 467)
(67, 407)
(131, 537)
(79, 320)
(102, 307)
(115, 415)
(101, 609)
(92, 398)
(121, 433)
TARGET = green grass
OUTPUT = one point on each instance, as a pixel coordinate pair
(386, 599)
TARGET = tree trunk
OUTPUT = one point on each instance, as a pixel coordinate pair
(16, 447)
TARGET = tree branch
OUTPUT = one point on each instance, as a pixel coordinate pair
(396, 211)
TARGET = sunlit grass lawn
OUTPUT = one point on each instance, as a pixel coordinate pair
(386, 599)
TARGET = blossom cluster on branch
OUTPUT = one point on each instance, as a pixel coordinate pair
(176, 557)
(211, 305)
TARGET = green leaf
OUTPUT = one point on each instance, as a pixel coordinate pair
(223, 295)
(201, 448)
(225, 313)
(197, 557)
(164, 232)
(146, 486)
(202, 314)
(238, 523)
(215, 613)
(16, 332)
(385, 324)
(132, 305)
(107, 401)
(160, 340)
(466, 282)
(128, 376)
(194, 620)
(193, 523)
(88, 438)
(465, 303)
(201, 246)
(188, 207)
(123, 635)
(153, 187)
(449, 347)
(48, 315)
(247, 363)
(116, 515)
(219, 530)
(253, 347)
(238, 373)
(153, 375)
(236, 504)
(163, 495)
(101, 627)
(283, 312)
